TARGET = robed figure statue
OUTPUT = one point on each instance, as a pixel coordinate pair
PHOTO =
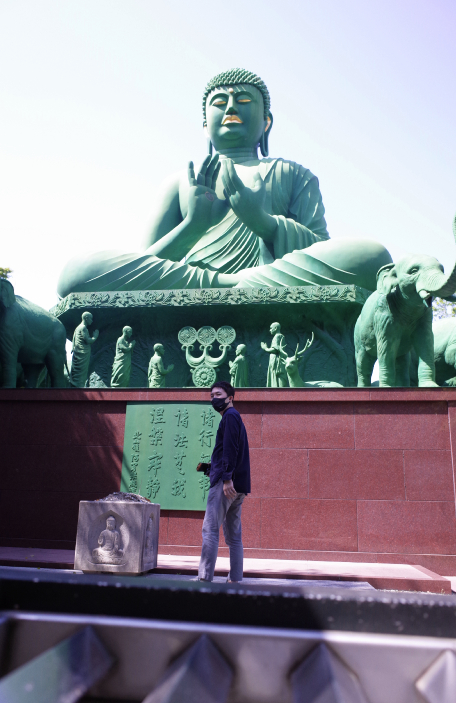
(239, 220)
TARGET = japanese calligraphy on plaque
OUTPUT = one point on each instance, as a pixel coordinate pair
(163, 443)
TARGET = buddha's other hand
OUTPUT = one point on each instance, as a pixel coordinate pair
(205, 209)
(248, 203)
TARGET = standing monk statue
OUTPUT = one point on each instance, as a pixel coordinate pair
(82, 345)
(121, 368)
(238, 220)
(277, 375)
(157, 372)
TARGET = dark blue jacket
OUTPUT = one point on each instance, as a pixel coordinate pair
(230, 458)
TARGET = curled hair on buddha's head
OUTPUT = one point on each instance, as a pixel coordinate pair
(225, 386)
(238, 76)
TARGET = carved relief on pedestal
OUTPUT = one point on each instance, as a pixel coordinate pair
(111, 547)
(204, 368)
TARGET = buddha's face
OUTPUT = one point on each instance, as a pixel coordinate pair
(235, 116)
(88, 319)
(275, 327)
(110, 523)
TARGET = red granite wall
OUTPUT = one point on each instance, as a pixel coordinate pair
(341, 475)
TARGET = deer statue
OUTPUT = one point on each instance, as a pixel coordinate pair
(291, 367)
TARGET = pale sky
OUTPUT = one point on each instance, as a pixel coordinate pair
(101, 100)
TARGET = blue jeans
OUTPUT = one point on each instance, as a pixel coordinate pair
(222, 511)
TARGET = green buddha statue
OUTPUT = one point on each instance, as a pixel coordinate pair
(239, 220)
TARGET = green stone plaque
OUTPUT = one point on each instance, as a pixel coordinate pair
(163, 443)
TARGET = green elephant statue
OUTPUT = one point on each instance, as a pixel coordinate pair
(445, 351)
(32, 337)
(397, 318)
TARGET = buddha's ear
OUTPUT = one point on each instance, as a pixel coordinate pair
(264, 141)
(209, 143)
(7, 297)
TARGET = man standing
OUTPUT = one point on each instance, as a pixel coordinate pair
(229, 473)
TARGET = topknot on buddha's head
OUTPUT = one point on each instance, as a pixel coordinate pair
(238, 76)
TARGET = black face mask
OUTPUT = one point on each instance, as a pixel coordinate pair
(219, 404)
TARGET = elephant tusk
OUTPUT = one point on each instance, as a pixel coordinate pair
(424, 294)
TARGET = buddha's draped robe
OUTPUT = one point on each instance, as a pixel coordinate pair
(293, 198)
(299, 254)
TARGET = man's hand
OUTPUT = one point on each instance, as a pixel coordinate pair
(229, 490)
(205, 209)
(248, 203)
(202, 466)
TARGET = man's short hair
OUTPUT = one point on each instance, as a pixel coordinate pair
(225, 386)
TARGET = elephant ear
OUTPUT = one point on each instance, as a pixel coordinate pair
(386, 279)
(7, 297)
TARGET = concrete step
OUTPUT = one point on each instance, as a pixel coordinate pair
(398, 577)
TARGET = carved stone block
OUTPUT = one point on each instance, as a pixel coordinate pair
(117, 537)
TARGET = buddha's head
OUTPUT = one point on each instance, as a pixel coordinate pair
(127, 332)
(240, 349)
(87, 318)
(111, 523)
(275, 328)
(159, 349)
(236, 109)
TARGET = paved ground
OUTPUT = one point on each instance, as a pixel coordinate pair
(285, 583)
(400, 577)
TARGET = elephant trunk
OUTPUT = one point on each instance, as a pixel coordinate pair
(440, 285)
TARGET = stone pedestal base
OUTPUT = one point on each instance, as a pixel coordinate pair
(118, 537)
(355, 475)
(330, 312)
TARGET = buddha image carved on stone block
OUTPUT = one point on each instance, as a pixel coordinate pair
(109, 550)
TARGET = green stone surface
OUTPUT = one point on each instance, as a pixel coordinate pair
(163, 443)
(330, 312)
(237, 220)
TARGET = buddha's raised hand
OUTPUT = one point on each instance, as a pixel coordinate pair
(248, 203)
(205, 209)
